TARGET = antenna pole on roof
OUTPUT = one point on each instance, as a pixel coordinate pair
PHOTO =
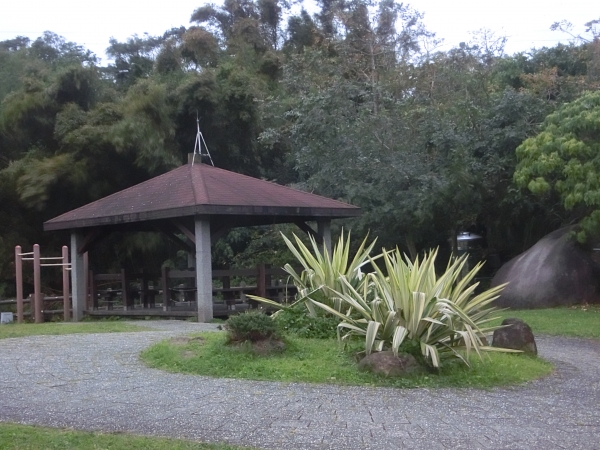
(198, 145)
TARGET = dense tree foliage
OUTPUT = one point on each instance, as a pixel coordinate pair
(351, 102)
(565, 157)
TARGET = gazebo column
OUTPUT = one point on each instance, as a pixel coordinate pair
(324, 229)
(203, 269)
(77, 276)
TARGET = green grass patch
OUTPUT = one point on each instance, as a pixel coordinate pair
(580, 321)
(13, 330)
(24, 437)
(322, 361)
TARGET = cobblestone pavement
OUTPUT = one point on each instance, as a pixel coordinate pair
(96, 382)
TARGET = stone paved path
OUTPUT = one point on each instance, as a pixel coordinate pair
(96, 382)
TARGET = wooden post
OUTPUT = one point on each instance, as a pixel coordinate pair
(165, 288)
(228, 296)
(144, 290)
(261, 281)
(268, 277)
(37, 285)
(65, 276)
(124, 289)
(19, 280)
(93, 291)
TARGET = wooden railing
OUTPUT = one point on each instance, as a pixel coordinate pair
(119, 287)
(10, 305)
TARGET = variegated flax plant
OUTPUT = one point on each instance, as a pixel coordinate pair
(324, 275)
(401, 304)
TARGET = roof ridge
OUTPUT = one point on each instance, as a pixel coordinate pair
(278, 185)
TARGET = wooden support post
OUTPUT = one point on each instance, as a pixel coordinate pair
(19, 280)
(228, 295)
(144, 290)
(37, 285)
(125, 290)
(268, 278)
(65, 280)
(93, 291)
(261, 281)
(165, 288)
(226, 282)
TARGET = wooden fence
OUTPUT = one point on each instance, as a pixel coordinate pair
(174, 287)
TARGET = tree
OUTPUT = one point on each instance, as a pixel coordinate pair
(565, 158)
(134, 59)
(242, 24)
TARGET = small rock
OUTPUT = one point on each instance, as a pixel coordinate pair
(516, 336)
(387, 364)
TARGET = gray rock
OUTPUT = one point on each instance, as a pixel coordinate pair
(556, 271)
(385, 363)
(517, 335)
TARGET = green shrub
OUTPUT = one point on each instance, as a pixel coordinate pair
(251, 326)
(295, 320)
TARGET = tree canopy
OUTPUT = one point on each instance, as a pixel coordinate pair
(565, 157)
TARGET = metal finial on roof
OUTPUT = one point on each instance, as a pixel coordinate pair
(199, 141)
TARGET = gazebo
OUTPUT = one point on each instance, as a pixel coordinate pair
(200, 202)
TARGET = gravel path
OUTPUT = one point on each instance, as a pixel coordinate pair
(96, 382)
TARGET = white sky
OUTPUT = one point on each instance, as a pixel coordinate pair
(91, 24)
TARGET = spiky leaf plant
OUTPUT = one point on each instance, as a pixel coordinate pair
(322, 274)
(409, 303)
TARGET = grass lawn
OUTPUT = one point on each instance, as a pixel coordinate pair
(13, 330)
(322, 361)
(575, 321)
(24, 437)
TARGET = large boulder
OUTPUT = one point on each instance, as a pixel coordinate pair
(556, 271)
(387, 364)
(516, 335)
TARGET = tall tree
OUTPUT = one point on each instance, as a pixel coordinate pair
(565, 157)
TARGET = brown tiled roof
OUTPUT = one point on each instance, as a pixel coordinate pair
(201, 189)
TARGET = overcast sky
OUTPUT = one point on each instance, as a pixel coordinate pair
(525, 22)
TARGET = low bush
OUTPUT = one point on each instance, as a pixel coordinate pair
(252, 326)
(296, 321)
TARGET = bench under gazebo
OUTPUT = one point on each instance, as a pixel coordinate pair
(198, 203)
